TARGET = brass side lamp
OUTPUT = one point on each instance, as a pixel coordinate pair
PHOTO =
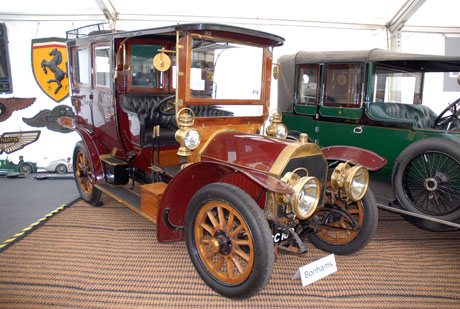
(276, 128)
(188, 138)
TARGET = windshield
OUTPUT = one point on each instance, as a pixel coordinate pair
(223, 70)
(397, 86)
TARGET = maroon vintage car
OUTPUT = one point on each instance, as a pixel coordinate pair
(183, 110)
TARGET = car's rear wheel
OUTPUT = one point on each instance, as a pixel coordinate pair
(426, 180)
(229, 240)
(61, 169)
(345, 226)
(25, 168)
(84, 176)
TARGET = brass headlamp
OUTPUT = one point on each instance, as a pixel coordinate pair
(353, 180)
(307, 191)
(188, 138)
(276, 128)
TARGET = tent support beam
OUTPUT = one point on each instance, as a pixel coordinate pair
(109, 11)
(395, 25)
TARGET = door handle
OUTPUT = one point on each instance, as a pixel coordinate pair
(358, 130)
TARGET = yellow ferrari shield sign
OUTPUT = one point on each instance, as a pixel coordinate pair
(49, 64)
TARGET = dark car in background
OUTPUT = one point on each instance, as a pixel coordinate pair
(377, 100)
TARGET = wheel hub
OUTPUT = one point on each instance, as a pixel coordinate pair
(82, 172)
(221, 244)
(431, 184)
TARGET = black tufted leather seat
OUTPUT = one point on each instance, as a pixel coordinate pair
(145, 107)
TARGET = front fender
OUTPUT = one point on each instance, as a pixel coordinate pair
(171, 213)
(93, 152)
(370, 160)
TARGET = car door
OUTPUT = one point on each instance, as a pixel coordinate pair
(103, 101)
(82, 86)
(341, 106)
(307, 100)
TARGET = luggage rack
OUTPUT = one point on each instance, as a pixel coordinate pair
(89, 30)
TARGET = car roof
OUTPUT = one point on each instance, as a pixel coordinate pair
(414, 61)
(268, 38)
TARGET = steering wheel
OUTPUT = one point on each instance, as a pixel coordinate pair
(167, 106)
(443, 119)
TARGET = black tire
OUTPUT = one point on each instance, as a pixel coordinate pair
(364, 212)
(426, 181)
(61, 169)
(83, 173)
(251, 247)
(25, 168)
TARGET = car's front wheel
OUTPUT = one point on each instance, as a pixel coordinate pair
(345, 227)
(426, 180)
(229, 240)
(83, 172)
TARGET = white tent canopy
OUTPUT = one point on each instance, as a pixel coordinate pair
(428, 16)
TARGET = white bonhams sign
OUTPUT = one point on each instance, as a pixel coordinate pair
(316, 270)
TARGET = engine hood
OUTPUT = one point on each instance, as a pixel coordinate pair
(264, 154)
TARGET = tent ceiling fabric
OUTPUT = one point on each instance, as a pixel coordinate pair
(432, 16)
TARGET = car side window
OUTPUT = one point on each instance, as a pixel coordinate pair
(343, 85)
(398, 86)
(102, 66)
(307, 84)
(81, 66)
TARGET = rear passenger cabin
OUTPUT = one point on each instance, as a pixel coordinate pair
(111, 68)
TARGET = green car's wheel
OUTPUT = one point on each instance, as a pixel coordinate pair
(426, 180)
(25, 168)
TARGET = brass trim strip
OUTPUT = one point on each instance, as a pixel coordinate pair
(292, 151)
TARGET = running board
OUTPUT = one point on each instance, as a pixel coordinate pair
(146, 204)
(421, 216)
(123, 196)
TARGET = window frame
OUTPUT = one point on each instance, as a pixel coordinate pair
(300, 67)
(94, 65)
(75, 68)
(187, 66)
(168, 85)
(359, 90)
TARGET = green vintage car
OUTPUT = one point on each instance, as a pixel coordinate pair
(373, 99)
(7, 166)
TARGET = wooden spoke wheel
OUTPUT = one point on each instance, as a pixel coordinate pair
(84, 178)
(229, 240)
(341, 229)
(224, 242)
(345, 226)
